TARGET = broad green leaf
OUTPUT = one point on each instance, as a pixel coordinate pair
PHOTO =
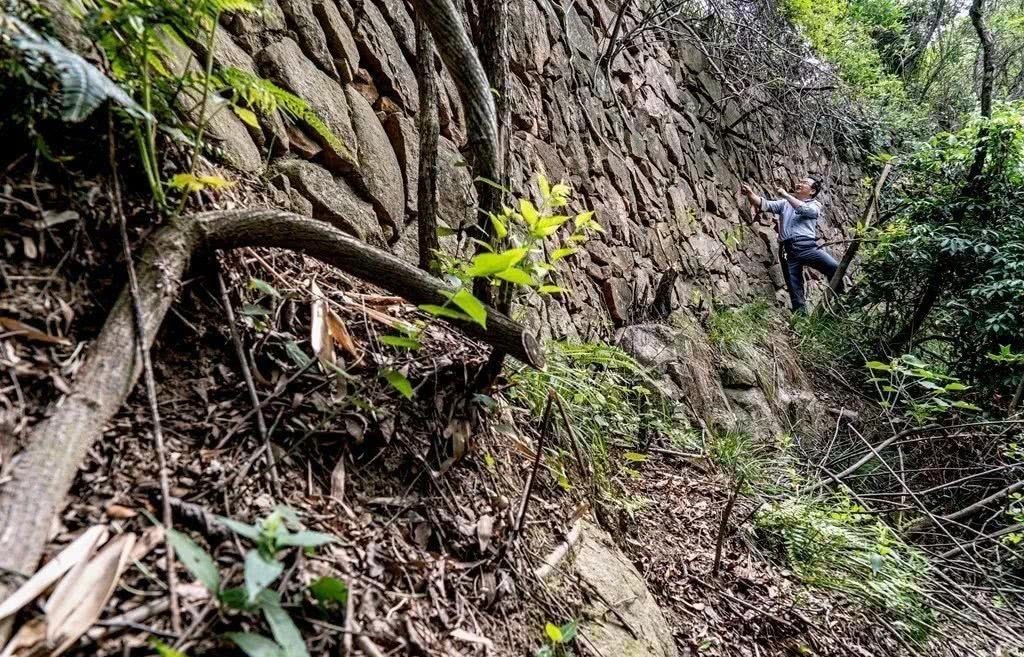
(252, 310)
(255, 645)
(235, 598)
(260, 572)
(517, 276)
(185, 182)
(197, 560)
(247, 115)
(444, 311)
(216, 182)
(465, 300)
(401, 341)
(306, 539)
(500, 230)
(544, 186)
(263, 286)
(877, 365)
(584, 219)
(550, 289)
(529, 213)
(555, 221)
(443, 230)
(487, 264)
(956, 386)
(563, 252)
(251, 532)
(568, 631)
(966, 406)
(913, 361)
(398, 382)
(554, 632)
(296, 353)
(329, 590)
(282, 626)
(491, 183)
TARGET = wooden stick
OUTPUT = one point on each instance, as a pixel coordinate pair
(545, 425)
(555, 557)
(835, 283)
(250, 385)
(142, 346)
(724, 525)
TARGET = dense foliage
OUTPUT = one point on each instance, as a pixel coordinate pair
(970, 244)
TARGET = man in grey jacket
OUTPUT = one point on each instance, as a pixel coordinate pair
(798, 218)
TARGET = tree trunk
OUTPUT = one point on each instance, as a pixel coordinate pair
(492, 37)
(427, 126)
(865, 220)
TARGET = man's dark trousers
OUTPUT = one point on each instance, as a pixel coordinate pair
(801, 252)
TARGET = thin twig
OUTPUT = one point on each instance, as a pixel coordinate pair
(243, 362)
(545, 426)
(147, 368)
(723, 526)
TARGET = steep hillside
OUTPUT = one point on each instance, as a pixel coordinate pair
(345, 472)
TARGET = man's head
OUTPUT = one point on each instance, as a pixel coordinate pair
(808, 187)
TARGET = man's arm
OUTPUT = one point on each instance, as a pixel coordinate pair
(804, 209)
(774, 207)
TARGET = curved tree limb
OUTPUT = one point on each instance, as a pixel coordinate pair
(46, 468)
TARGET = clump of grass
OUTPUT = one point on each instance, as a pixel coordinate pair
(608, 395)
(825, 339)
(741, 330)
(837, 546)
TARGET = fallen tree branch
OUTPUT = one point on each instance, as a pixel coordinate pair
(57, 445)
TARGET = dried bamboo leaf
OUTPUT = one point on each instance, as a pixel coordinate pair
(319, 333)
(29, 333)
(338, 330)
(71, 616)
(76, 552)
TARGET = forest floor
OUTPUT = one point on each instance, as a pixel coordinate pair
(422, 495)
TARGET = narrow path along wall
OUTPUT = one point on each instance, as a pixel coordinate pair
(644, 148)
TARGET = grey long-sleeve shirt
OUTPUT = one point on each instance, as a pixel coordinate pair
(802, 222)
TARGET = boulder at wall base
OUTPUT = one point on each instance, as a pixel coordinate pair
(332, 200)
(605, 568)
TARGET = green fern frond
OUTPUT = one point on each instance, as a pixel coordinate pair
(83, 86)
(266, 97)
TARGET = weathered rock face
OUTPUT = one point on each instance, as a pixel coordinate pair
(644, 147)
(757, 394)
(622, 593)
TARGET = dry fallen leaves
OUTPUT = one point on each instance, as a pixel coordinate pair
(23, 330)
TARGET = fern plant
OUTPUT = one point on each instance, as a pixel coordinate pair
(266, 98)
(83, 87)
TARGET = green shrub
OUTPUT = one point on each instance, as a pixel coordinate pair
(608, 396)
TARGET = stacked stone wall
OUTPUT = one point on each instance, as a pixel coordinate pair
(644, 146)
